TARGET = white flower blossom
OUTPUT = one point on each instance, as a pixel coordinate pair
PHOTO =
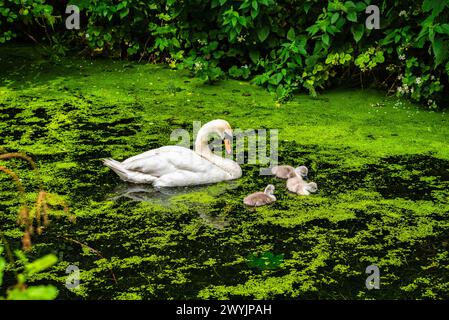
(402, 57)
(241, 38)
(198, 66)
(403, 13)
(418, 80)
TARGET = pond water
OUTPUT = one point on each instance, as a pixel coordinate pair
(382, 175)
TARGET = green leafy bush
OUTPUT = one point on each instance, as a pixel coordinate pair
(286, 46)
(22, 14)
(22, 292)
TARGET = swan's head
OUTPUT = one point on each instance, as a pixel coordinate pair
(302, 171)
(269, 189)
(224, 130)
(311, 187)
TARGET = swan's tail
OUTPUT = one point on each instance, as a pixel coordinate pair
(128, 175)
(117, 168)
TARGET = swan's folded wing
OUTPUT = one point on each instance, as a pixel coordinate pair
(151, 153)
(166, 160)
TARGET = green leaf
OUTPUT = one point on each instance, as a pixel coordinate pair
(350, 5)
(360, 6)
(276, 79)
(436, 6)
(107, 37)
(41, 264)
(254, 13)
(234, 21)
(242, 21)
(306, 7)
(302, 45)
(352, 16)
(358, 31)
(34, 293)
(313, 29)
(335, 17)
(263, 33)
(388, 39)
(442, 28)
(291, 34)
(235, 72)
(21, 256)
(325, 39)
(2, 269)
(254, 55)
(232, 35)
(440, 50)
(431, 34)
(218, 54)
(255, 5)
(124, 13)
(244, 5)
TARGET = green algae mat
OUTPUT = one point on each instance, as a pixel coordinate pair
(381, 166)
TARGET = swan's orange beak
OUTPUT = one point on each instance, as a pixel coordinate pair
(228, 146)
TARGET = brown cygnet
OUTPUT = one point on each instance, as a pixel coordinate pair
(261, 198)
(297, 185)
(302, 188)
(286, 172)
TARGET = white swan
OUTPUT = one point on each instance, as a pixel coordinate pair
(175, 166)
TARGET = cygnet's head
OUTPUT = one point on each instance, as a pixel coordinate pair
(302, 171)
(269, 189)
(311, 187)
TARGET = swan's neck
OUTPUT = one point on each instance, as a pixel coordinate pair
(202, 148)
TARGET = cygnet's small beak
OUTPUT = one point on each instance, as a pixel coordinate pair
(305, 177)
(228, 145)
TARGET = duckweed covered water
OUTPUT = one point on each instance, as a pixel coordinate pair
(381, 166)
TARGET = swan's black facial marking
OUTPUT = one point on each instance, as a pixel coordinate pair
(227, 136)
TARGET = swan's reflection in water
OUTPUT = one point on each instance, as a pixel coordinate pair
(143, 192)
(164, 197)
